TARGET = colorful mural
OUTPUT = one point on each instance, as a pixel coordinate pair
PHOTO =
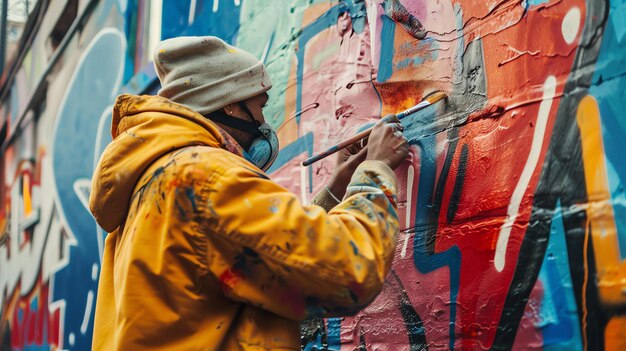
(512, 200)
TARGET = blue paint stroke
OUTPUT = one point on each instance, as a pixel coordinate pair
(315, 345)
(387, 49)
(224, 23)
(558, 314)
(531, 3)
(333, 342)
(131, 27)
(358, 14)
(424, 260)
(333, 333)
(355, 249)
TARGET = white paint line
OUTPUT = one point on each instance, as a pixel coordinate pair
(407, 214)
(303, 171)
(372, 13)
(192, 11)
(82, 187)
(237, 2)
(216, 5)
(154, 36)
(60, 306)
(94, 272)
(571, 25)
(88, 308)
(549, 89)
(266, 51)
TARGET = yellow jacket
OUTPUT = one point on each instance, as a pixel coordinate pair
(206, 253)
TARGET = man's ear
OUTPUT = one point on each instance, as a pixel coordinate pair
(228, 109)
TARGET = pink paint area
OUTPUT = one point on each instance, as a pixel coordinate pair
(529, 335)
(345, 99)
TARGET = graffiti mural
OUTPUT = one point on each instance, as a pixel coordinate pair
(511, 201)
(510, 234)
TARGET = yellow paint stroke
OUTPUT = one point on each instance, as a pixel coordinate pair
(28, 205)
(4, 235)
(611, 270)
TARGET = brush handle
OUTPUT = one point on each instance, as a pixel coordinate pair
(341, 145)
(364, 134)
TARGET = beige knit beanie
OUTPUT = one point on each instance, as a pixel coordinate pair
(206, 74)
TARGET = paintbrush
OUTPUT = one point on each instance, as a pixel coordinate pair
(429, 100)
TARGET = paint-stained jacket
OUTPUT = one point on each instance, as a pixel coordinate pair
(206, 253)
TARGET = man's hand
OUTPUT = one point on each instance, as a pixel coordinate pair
(348, 160)
(387, 143)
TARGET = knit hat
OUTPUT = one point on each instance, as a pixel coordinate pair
(206, 74)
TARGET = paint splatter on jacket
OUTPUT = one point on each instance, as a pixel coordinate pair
(205, 252)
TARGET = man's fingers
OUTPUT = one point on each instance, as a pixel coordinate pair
(360, 156)
(390, 119)
(362, 143)
(399, 134)
(354, 148)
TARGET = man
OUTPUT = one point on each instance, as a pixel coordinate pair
(205, 252)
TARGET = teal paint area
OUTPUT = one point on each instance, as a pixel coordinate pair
(609, 90)
(536, 2)
(558, 313)
(386, 50)
(428, 49)
(202, 17)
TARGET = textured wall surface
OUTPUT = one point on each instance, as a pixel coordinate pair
(512, 201)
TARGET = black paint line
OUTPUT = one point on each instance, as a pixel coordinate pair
(412, 321)
(458, 185)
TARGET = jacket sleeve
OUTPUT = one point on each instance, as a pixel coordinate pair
(301, 261)
(325, 200)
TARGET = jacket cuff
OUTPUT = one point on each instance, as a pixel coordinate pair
(325, 200)
(381, 169)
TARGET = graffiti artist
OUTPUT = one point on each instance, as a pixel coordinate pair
(205, 252)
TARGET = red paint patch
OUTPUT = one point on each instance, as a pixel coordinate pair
(230, 278)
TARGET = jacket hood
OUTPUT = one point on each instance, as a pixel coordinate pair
(144, 128)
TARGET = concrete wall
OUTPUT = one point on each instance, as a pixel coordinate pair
(511, 203)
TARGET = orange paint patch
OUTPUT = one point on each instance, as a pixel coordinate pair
(611, 270)
(28, 206)
(615, 334)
